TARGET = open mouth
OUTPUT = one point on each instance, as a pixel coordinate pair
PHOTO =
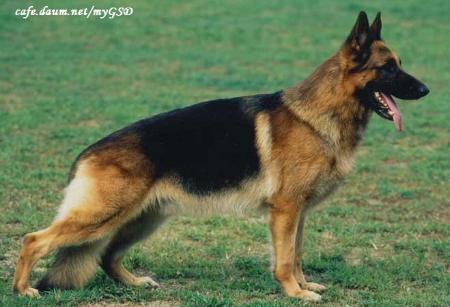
(387, 108)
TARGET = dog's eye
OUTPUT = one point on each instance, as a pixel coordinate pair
(389, 68)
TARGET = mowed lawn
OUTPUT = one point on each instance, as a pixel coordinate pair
(381, 240)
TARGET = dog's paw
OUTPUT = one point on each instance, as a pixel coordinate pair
(147, 281)
(306, 295)
(31, 292)
(314, 287)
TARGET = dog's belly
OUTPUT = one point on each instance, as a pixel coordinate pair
(172, 198)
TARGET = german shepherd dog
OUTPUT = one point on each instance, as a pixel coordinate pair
(284, 151)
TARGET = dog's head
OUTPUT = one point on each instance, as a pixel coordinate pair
(376, 72)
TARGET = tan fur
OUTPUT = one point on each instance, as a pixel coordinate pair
(113, 193)
(248, 196)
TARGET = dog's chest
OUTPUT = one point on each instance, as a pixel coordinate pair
(330, 179)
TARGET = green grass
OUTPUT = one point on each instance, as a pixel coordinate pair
(381, 240)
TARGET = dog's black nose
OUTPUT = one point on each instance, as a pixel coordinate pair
(423, 90)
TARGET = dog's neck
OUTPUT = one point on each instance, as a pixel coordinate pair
(327, 103)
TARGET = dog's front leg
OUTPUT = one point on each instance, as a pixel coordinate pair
(284, 221)
(299, 254)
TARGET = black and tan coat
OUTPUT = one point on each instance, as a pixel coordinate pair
(283, 152)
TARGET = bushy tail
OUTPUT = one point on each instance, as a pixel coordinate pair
(72, 268)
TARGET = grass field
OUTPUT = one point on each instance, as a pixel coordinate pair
(381, 240)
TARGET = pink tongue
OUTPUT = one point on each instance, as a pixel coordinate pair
(397, 115)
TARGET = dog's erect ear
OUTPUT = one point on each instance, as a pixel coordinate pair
(375, 28)
(360, 38)
(360, 34)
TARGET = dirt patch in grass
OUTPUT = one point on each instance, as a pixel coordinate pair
(381, 252)
(11, 103)
(91, 123)
(328, 241)
(354, 257)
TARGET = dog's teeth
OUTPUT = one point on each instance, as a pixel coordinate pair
(383, 104)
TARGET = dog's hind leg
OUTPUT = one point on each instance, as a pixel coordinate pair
(73, 266)
(99, 200)
(36, 245)
(129, 234)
